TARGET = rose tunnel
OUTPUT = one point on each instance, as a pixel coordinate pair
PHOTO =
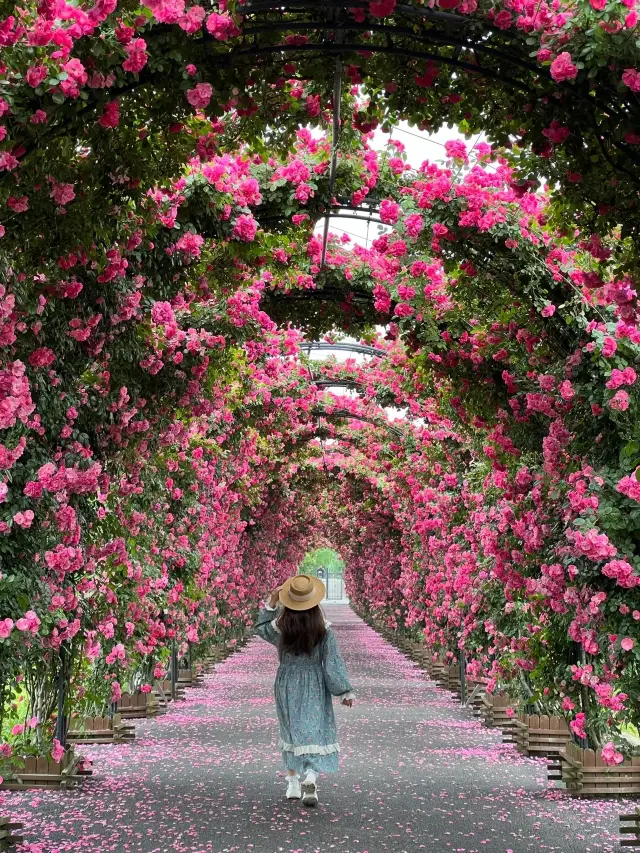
(170, 175)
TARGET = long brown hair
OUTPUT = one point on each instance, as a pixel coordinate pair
(301, 630)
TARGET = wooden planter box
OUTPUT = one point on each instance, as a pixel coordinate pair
(449, 678)
(100, 730)
(8, 832)
(136, 706)
(476, 691)
(162, 693)
(630, 826)
(493, 711)
(435, 668)
(539, 736)
(190, 677)
(217, 655)
(44, 773)
(585, 774)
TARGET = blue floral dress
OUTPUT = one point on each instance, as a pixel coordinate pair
(305, 685)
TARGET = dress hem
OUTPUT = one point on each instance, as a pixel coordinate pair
(309, 749)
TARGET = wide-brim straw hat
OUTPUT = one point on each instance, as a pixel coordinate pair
(302, 592)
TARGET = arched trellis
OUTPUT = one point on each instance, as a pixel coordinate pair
(467, 44)
(344, 413)
(344, 346)
(319, 39)
(348, 384)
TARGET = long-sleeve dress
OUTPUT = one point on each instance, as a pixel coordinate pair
(304, 687)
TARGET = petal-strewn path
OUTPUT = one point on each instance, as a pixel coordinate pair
(418, 774)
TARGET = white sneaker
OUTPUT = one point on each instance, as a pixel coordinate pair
(293, 788)
(309, 793)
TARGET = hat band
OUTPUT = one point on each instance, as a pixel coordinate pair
(296, 597)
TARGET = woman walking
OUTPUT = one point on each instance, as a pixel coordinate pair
(311, 672)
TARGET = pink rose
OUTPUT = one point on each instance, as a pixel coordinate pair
(621, 377)
(562, 68)
(200, 95)
(6, 626)
(62, 193)
(221, 27)
(566, 390)
(389, 211)
(162, 314)
(18, 205)
(627, 644)
(620, 401)
(631, 78)
(503, 20)
(623, 573)
(549, 310)
(610, 755)
(110, 115)
(35, 75)
(192, 21)
(29, 622)
(577, 725)
(136, 56)
(76, 70)
(456, 149)
(18, 729)
(42, 357)
(57, 753)
(245, 228)
(24, 519)
(414, 224)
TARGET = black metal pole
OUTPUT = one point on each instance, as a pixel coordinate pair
(463, 677)
(174, 668)
(61, 722)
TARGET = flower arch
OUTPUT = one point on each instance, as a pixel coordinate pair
(161, 458)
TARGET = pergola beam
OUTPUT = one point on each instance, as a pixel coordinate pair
(327, 346)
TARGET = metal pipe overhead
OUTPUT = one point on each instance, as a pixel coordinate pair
(344, 346)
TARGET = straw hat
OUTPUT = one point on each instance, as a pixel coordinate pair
(302, 592)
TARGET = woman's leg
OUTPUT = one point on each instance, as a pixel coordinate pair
(294, 791)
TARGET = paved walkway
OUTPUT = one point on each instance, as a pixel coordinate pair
(418, 773)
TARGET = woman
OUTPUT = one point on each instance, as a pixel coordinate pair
(311, 672)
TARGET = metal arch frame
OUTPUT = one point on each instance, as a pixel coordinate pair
(343, 413)
(411, 14)
(389, 48)
(327, 346)
(349, 384)
(470, 35)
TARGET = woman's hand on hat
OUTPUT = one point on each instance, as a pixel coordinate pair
(275, 596)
